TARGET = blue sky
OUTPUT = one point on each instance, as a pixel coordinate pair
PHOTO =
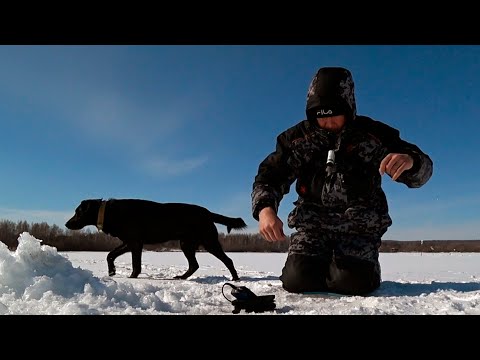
(191, 124)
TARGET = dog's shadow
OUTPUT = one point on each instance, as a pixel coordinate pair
(223, 279)
(393, 288)
(213, 280)
(386, 289)
(259, 278)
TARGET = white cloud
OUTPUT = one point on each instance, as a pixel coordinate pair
(115, 119)
(36, 216)
(434, 205)
(96, 101)
(171, 167)
(437, 231)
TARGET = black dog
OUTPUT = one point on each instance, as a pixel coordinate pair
(136, 222)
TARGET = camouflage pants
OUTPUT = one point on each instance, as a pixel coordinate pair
(334, 244)
(358, 219)
(340, 263)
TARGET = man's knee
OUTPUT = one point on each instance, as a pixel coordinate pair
(353, 276)
(304, 273)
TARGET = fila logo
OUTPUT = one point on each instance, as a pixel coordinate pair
(323, 112)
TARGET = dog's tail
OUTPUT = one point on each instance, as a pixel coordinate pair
(230, 223)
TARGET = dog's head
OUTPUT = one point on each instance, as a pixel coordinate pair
(85, 214)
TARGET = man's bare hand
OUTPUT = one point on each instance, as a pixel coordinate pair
(270, 225)
(395, 164)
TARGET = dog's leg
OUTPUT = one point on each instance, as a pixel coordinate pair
(211, 244)
(136, 259)
(112, 255)
(215, 248)
(189, 251)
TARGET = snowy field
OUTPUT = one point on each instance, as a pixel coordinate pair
(37, 280)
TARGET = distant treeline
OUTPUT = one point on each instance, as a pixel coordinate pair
(86, 240)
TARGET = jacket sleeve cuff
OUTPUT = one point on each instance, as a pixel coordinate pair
(261, 205)
(417, 162)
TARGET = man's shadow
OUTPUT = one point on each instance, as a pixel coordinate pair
(393, 288)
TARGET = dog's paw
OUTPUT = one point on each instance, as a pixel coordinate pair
(180, 277)
(236, 278)
(111, 273)
(134, 275)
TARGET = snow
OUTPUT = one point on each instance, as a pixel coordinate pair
(37, 280)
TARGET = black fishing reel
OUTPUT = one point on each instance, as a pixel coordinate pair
(246, 300)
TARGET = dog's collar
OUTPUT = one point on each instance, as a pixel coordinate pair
(101, 216)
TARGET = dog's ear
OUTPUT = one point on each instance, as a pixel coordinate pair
(85, 205)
